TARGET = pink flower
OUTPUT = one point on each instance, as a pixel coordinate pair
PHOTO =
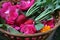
(13, 13)
(10, 21)
(4, 8)
(49, 23)
(25, 4)
(27, 28)
(17, 28)
(29, 21)
(20, 19)
(9, 12)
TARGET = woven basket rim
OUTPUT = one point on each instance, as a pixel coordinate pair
(31, 35)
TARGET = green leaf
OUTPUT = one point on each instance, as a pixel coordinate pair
(1, 25)
(47, 17)
(48, 1)
(2, 21)
(33, 9)
(44, 13)
(57, 5)
(40, 2)
(9, 28)
(12, 30)
(39, 26)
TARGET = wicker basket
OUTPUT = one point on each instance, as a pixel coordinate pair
(36, 36)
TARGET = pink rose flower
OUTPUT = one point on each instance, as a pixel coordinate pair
(4, 8)
(13, 14)
(20, 19)
(49, 23)
(9, 12)
(27, 28)
(16, 27)
(29, 21)
(25, 4)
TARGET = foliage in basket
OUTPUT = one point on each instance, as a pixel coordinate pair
(28, 16)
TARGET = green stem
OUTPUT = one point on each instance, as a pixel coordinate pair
(42, 14)
(33, 11)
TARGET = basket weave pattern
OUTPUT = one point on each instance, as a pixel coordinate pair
(37, 36)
